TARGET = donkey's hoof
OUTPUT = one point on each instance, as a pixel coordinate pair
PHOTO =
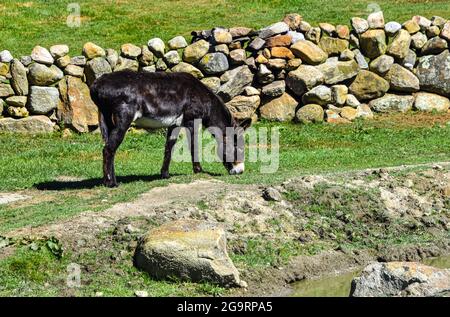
(165, 175)
(198, 169)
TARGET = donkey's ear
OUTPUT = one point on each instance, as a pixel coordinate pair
(246, 123)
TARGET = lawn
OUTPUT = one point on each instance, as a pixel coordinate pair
(110, 23)
(64, 174)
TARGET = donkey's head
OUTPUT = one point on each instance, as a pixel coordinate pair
(233, 150)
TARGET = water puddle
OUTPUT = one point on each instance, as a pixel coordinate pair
(339, 285)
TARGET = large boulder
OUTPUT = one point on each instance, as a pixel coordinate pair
(29, 125)
(373, 43)
(214, 63)
(401, 79)
(189, 250)
(194, 52)
(392, 103)
(320, 95)
(309, 52)
(187, 68)
(42, 100)
(333, 46)
(399, 47)
(433, 72)
(368, 85)
(431, 102)
(95, 68)
(41, 75)
(304, 78)
(337, 72)
(243, 107)
(279, 109)
(77, 110)
(310, 113)
(401, 279)
(238, 78)
(19, 80)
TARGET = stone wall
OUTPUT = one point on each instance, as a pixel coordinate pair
(289, 70)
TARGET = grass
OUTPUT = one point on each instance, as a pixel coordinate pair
(63, 175)
(111, 23)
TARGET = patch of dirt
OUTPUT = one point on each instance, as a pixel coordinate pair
(400, 213)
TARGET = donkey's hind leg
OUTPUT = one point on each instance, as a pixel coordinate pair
(194, 149)
(171, 139)
(115, 138)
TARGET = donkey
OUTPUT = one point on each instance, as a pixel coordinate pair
(157, 100)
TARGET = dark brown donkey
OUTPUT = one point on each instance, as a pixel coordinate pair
(155, 100)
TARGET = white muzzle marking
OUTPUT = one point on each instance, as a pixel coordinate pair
(238, 168)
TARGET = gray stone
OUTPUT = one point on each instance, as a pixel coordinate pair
(221, 36)
(74, 70)
(19, 80)
(188, 250)
(18, 112)
(251, 91)
(42, 100)
(6, 90)
(240, 31)
(296, 36)
(272, 194)
(161, 65)
(187, 68)
(400, 45)
(391, 28)
(392, 103)
(339, 94)
(360, 59)
(431, 102)
(434, 46)
(156, 46)
(279, 109)
(257, 44)
(336, 72)
(368, 85)
(222, 48)
(42, 55)
(29, 125)
(112, 57)
(320, 95)
(410, 60)
(400, 279)
(6, 56)
(304, 78)
(433, 72)
(433, 31)
(314, 35)
(309, 52)
(238, 79)
(147, 58)
(351, 101)
(310, 113)
(26, 60)
(274, 89)
(376, 20)
(333, 46)
(347, 55)
(214, 63)
(58, 51)
(359, 25)
(149, 69)
(243, 107)
(17, 101)
(422, 21)
(438, 21)
(401, 79)
(177, 43)
(373, 43)
(381, 65)
(78, 60)
(172, 58)
(364, 111)
(212, 83)
(274, 29)
(238, 57)
(194, 52)
(42, 75)
(91, 50)
(130, 51)
(418, 40)
(95, 68)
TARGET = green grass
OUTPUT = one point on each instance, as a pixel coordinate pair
(111, 23)
(63, 176)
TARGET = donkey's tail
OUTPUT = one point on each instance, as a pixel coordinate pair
(104, 115)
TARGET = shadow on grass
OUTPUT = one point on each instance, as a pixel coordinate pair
(94, 182)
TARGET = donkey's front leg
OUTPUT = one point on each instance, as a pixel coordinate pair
(171, 139)
(194, 150)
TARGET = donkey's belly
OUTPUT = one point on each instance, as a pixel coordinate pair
(153, 123)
